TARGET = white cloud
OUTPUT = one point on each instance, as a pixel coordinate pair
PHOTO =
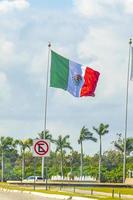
(104, 43)
(9, 5)
(19, 128)
(3, 78)
(97, 8)
(39, 62)
(91, 8)
(128, 6)
(5, 91)
(7, 49)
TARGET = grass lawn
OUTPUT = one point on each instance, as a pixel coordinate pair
(127, 191)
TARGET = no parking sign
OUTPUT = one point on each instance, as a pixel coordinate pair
(41, 148)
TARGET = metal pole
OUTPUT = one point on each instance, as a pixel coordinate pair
(45, 111)
(46, 91)
(46, 174)
(46, 99)
(126, 115)
(34, 173)
(100, 155)
(2, 167)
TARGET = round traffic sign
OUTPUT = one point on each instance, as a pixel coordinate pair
(41, 147)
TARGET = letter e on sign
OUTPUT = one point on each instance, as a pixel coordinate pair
(41, 148)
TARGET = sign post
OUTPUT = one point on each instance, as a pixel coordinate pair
(34, 172)
(41, 148)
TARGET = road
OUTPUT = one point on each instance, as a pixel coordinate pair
(21, 196)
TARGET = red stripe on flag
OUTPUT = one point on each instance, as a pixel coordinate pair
(90, 82)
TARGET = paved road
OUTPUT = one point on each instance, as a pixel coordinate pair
(21, 196)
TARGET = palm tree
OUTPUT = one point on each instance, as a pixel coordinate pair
(6, 143)
(61, 144)
(84, 135)
(119, 144)
(47, 136)
(101, 131)
(24, 145)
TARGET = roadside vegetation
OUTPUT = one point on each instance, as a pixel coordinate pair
(17, 162)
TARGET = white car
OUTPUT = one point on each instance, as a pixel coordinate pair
(31, 178)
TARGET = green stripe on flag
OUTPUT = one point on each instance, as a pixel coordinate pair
(59, 71)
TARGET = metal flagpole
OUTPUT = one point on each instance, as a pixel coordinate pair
(45, 111)
(46, 91)
(126, 114)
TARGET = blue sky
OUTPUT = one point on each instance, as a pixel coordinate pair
(49, 4)
(94, 33)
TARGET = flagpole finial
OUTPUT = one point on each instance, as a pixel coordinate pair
(130, 41)
(49, 44)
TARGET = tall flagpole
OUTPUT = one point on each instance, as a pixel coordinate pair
(126, 114)
(46, 91)
(46, 100)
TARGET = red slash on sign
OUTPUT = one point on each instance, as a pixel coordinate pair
(41, 148)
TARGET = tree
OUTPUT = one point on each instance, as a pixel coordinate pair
(101, 131)
(45, 135)
(73, 163)
(61, 144)
(53, 163)
(84, 135)
(24, 145)
(6, 143)
(119, 144)
(112, 166)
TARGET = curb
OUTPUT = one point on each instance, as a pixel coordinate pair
(58, 196)
(55, 196)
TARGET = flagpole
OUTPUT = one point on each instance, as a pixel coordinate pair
(126, 114)
(46, 100)
(46, 91)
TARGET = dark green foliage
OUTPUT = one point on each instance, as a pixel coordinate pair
(111, 161)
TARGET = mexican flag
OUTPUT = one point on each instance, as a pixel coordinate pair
(77, 79)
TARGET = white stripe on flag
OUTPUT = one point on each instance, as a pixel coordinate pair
(131, 75)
